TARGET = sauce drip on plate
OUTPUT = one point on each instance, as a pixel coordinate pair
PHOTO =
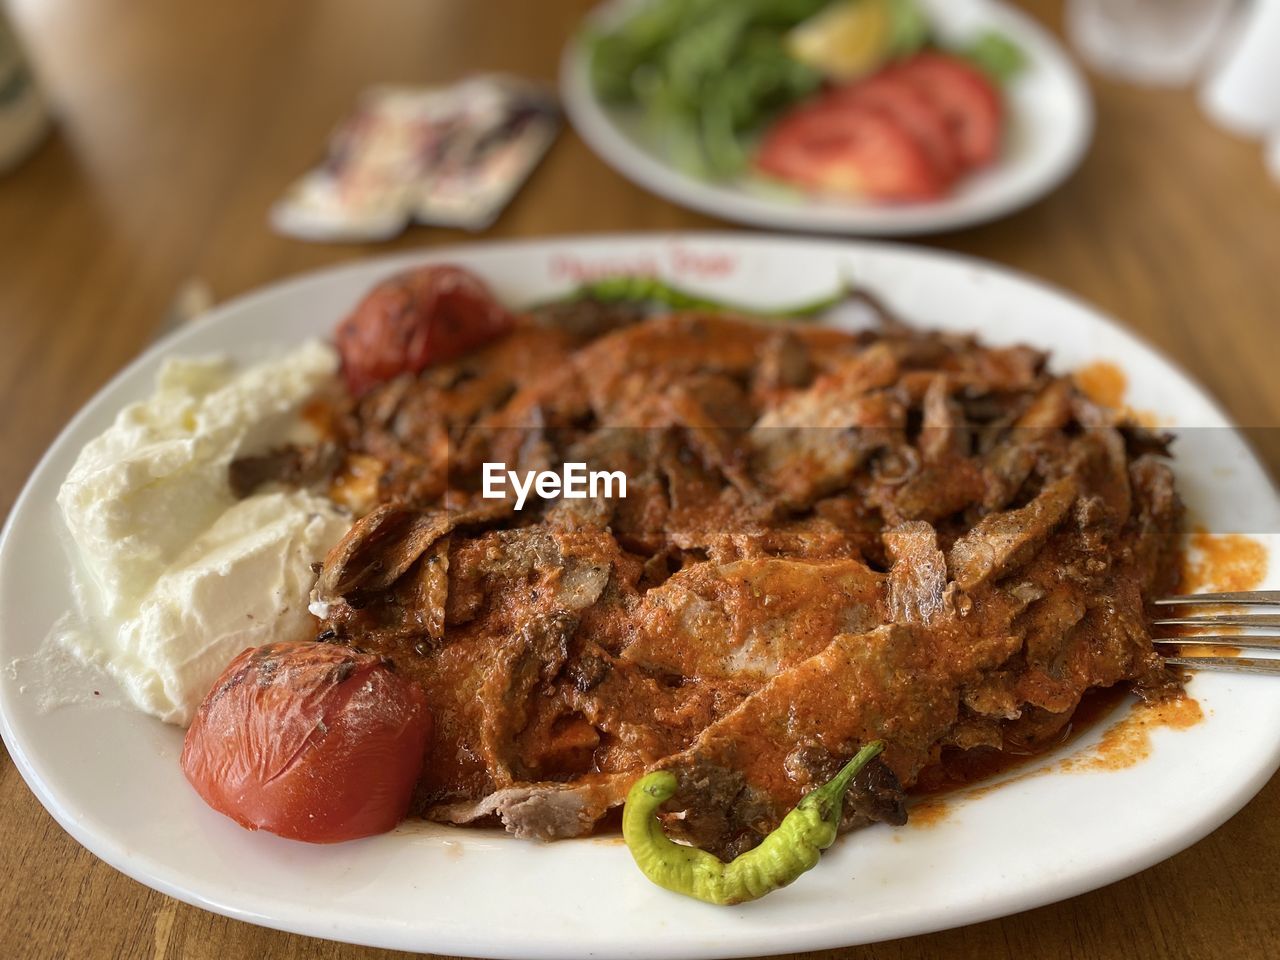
(1102, 382)
(1222, 562)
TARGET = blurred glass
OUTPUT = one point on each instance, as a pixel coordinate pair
(1157, 42)
(23, 116)
(1242, 92)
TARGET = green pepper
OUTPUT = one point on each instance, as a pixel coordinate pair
(996, 55)
(790, 850)
(645, 291)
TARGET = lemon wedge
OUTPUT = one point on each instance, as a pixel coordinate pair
(846, 39)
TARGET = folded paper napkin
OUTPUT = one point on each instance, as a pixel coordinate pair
(448, 156)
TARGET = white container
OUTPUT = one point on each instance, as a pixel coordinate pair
(24, 116)
(1243, 92)
(1152, 42)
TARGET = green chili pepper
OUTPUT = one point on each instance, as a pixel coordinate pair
(790, 850)
(995, 54)
(648, 291)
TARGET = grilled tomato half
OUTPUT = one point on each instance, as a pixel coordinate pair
(311, 741)
(425, 316)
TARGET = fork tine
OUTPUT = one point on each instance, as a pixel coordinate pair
(1265, 665)
(1229, 618)
(1221, 620)
(1246, 597)
(1254, 642)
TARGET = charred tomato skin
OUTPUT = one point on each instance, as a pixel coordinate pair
(423, 316)
(310, 741)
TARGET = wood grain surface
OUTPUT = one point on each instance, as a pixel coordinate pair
(180, 123)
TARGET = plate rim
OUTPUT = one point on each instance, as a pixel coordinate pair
(144, 869)
(591, 121)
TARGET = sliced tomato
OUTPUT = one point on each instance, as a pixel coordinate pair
(311, 741)
(838, 146)
(966, 98)
(429, 315)
(917, 114)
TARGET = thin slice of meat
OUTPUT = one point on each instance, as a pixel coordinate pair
(811, 443)
(803, 462)
(821, 405)
(999, 542)
(543, 811)
(943, 435)
(1005, 468)
(1049, 410)
(895, 683)
(936, 491)
(984, 369)
(377, 551)
(642, 717)
(627, 372)
(529, 659)
(785, 364)
(918, 578)
(713, 412)
(292, 466)
(1156, 522)
(1098, 461)
(752, 618)
(423, 592)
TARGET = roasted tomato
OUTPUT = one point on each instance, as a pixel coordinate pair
(311, 741)
(424, 316)
(840, 145)
(968, 100)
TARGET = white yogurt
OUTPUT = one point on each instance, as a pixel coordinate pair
(182, 575)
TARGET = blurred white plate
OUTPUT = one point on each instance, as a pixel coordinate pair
(110, 776)
(1049, 128)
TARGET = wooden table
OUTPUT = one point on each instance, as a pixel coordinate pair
(180, 123)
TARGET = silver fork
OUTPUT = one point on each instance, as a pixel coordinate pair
(1254, 617)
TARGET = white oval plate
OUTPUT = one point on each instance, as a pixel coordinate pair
(1051, 123)
(110, 776)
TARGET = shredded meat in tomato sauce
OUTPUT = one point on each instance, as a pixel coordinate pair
(828, 538)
